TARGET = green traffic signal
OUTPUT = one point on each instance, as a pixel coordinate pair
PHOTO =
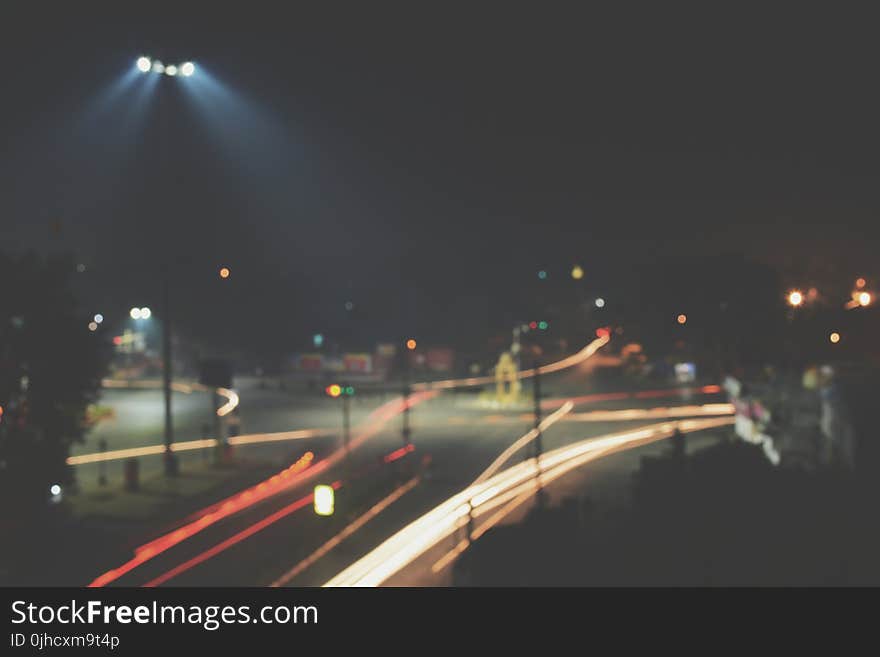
(349, 390)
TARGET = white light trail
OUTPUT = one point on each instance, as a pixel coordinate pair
(415, 539)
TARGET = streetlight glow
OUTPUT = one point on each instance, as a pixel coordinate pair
(187, 69)
(144, 64)
(864, 298)
(834, 337)
(135, 313)
(158, 67)
(145, 313)
(577, 272)
(600, 302)
(224, 272)
(171, 70)
(682, 318)
(795, 298)
(99, 318)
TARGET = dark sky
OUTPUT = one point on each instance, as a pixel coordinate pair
(425, 165)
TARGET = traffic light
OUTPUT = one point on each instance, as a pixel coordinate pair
(336, 390)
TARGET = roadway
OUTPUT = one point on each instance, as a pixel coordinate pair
(274, 537)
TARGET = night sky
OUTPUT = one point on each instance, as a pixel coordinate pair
(425, 165)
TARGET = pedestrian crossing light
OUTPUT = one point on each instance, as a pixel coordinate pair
(323, 499)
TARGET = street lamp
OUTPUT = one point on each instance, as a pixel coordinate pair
(146, 65)
(795, 298)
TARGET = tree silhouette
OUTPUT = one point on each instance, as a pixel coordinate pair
(51, 366)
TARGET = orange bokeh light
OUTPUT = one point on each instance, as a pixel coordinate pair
(681, 319)
(411, 344)
(224, 272)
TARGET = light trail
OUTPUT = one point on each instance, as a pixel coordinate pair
(568, 361)
(262, 524)
(299, 472)
(236, 538)
(521, 442)
(177, 386)
(350, 529)
(156, 547)
(150, 384)
(203, 443)
(642, 394)
(231, 401)
(652, 413)
(415, 539)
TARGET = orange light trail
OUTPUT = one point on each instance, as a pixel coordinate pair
(643, 394)
(568, 361)
(380, 506)
(235, 539)
(398, 453)
(249, 531)
(297, 473)
(415, 539)
(232, 505)
(151, 450)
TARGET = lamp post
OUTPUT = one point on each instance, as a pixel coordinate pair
(147, 66)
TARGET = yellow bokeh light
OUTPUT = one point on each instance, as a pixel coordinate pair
(834, 337)
(224, 272)
(577, 272)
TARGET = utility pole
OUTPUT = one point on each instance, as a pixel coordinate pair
(536, 393)
(171, 468)
(515, 346)
(405, 432)
(346, 422)
(540, 499)
(170, 459)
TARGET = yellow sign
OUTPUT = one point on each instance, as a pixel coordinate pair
(324, 497)
(506, 382)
